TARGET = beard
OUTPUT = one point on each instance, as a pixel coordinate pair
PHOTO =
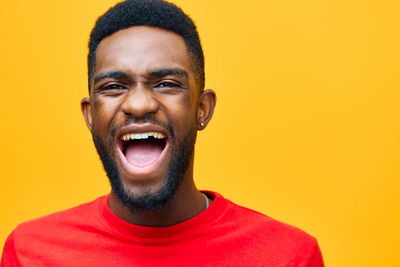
(181, 156)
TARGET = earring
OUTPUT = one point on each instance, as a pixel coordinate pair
(202, 124)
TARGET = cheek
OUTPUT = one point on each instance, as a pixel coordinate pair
(102, 114)
(181, 112)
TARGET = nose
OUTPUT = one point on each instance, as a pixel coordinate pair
(139, 102)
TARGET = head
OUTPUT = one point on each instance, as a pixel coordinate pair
(153, 13)
(146, 103)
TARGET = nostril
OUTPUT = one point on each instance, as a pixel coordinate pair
(139, 103)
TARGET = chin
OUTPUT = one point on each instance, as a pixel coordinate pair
(147, 191)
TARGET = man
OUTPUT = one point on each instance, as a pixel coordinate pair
(146, 103)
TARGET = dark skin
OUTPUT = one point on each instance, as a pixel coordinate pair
(144, 72)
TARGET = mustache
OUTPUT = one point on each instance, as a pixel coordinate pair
(151, 120)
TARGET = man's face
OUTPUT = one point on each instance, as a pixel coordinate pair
(142, 113)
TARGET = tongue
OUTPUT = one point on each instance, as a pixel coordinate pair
(143, 153)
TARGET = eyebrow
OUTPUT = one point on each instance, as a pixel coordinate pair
(110, 74)
(154, 73)
(169, 71)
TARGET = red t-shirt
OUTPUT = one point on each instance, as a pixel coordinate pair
(225, 234)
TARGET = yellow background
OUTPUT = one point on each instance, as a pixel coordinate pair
(306, 127)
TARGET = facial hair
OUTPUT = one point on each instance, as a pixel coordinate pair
(181, 156)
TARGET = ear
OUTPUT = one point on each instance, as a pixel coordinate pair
(86, 110)
(205, 109)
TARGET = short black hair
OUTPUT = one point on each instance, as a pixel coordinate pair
(154, 13)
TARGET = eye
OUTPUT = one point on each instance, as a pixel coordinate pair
(113, 86)
(167, 85)
(111, 89)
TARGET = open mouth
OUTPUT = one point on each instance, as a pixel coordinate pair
(142, 149)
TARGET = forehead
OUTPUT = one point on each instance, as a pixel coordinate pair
(140, 49)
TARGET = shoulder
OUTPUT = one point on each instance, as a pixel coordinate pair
(268, 232)
(58, 222)
(252, 219)
(52, 233)
(275, 241)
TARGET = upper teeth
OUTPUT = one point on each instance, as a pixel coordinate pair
(157, 135)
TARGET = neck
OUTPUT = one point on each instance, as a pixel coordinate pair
(186, 203)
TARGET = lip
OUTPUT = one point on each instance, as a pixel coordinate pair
(141, 128)
(148, 170)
